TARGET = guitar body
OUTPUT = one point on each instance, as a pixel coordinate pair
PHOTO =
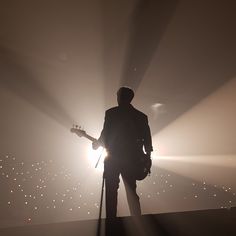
(143, 166)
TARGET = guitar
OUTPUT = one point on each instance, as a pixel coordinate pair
(81, 133)
(143, 165)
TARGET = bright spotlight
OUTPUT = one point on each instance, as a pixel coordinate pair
(97, 155)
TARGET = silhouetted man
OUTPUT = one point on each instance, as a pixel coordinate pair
(125, 133)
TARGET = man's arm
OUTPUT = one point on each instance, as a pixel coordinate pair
(147, 138)
(102, 139)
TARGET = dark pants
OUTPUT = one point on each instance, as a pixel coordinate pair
(112, 171)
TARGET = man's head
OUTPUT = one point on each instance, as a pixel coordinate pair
(124, 96)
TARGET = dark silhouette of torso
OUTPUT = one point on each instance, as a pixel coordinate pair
(126, 132)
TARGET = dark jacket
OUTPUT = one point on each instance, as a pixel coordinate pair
(125, 132)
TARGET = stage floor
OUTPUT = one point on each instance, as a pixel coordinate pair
(204, 222)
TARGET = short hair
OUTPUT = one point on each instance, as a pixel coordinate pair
(126, 94)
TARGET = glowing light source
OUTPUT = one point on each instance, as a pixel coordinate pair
(94, 155)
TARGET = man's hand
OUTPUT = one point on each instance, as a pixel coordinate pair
(148, 154)
(95, 145)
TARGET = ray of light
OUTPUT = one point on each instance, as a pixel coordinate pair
(149, 22)
(212, 160)
(206, 129)
(18, 79)
(215, 170)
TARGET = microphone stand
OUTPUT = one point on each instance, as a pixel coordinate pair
(101, 199)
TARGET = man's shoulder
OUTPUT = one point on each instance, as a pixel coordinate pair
(139, 113)
(112, 109)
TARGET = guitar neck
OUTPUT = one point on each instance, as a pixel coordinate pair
(90, 137)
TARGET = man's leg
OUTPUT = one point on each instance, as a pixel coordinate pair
(112, 173)
(132, 196)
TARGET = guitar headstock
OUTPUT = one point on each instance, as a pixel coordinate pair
(78, 130)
